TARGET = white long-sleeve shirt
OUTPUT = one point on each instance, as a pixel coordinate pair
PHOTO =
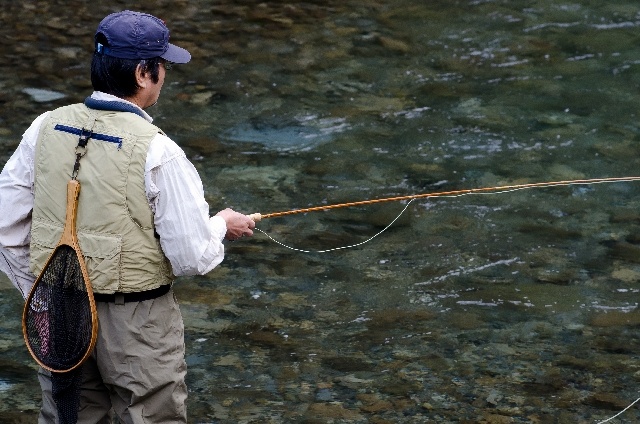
(191, 240)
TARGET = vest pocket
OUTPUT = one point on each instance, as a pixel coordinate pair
(44, 238)
(101, 253)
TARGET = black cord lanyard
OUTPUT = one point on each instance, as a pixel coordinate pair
(81, 150)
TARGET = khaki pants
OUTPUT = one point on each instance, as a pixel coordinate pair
(137, 367)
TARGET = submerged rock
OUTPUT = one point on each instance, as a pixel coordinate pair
(42, 96)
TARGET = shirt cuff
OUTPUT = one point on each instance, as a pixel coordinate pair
(214, 253)
(19, 276)
(218, 226)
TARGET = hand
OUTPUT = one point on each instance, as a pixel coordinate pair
(238, 225)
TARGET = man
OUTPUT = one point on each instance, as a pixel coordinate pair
(142, 219)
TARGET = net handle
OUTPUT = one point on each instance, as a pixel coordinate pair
(69, 236)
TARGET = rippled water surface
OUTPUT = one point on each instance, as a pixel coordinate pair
(516, 307)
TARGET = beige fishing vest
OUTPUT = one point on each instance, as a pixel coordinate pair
(115, 224)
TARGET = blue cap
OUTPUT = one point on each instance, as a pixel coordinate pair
(135, 35)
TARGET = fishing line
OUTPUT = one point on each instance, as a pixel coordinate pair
(342, 247)
(449, 194)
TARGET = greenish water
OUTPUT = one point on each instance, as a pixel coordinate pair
(518, 307)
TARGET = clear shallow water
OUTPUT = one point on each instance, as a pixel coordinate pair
(513, 307)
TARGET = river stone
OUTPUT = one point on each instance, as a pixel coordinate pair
(564, 172)
(608, 401)
(372, 403)
(202, 98)
(626, 274)
(616, 319)
(331, 411)
(42, 96)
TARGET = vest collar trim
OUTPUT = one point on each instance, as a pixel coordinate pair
(115, 106)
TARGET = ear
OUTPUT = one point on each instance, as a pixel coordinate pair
(141, 77)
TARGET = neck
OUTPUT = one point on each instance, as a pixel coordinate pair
(136, 100)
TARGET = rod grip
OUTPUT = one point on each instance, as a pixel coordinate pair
(256, 217)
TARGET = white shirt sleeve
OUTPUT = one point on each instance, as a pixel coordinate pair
(16, 205)
(191, 240)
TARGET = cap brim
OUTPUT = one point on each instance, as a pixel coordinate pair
(176, 54)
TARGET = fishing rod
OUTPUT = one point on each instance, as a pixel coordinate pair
(258, 216)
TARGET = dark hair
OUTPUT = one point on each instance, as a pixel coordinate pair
(117, 76)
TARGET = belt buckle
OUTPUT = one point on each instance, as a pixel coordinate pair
(119, 298)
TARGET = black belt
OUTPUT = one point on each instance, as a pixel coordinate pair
(119, 297)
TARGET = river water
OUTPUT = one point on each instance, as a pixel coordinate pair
(514, 307)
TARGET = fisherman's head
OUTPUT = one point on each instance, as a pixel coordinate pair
(129, 44)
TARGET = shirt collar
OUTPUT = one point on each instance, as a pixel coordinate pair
(99, 95)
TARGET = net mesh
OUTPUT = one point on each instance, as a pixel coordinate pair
(65, 390)
(58, 324)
